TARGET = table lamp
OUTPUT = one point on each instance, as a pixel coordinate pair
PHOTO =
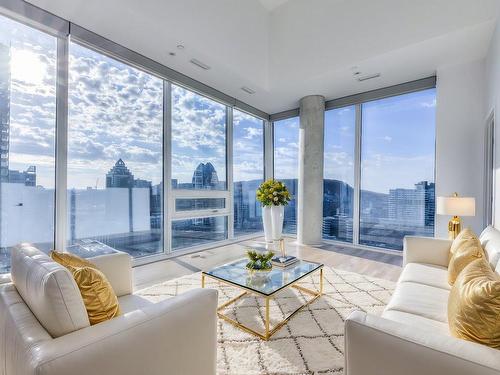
(455, 206)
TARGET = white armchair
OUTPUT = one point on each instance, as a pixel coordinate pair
(176, 336)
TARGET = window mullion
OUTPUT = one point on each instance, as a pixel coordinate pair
(357, 176)
(168, 202)
(61, 212)
(229, 170)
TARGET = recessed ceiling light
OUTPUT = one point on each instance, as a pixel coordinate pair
(199, 64)
(368, 76)
(171, 53)
(248, 90)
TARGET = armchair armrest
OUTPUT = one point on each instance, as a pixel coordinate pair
(176, 336)
(378, 346)
(426, 250)
(118, 270)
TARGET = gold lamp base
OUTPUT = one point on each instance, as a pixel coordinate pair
(454, 227)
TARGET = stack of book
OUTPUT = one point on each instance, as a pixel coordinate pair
(285, 261)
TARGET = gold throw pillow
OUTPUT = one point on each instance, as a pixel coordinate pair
(474, 305)
(464, 249)
(68, 259)
(97, 293)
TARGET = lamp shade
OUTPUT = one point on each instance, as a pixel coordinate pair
(456, 206)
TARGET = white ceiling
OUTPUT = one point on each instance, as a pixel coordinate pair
(286, 49)
(272, 4)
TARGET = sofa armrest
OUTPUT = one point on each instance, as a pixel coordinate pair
(378, 346)
(426, 250)
(118, 270)
(176, 336)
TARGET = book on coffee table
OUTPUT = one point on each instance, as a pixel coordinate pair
(280, 261)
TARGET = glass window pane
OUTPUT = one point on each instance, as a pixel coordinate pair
(194, 204)
(338, 195)
(199, 231)
(286, 166)
(198, 141)
(248, 172)
(397, 169)
(27, 137)
(115, 154)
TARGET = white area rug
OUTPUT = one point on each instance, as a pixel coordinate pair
(312, 342)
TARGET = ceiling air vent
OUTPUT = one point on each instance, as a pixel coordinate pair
(248, 90)
(199, 64)
(368, 76)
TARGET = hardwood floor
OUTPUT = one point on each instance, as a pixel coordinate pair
(371, 263)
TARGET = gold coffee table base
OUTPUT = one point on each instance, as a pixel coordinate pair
(269, 331)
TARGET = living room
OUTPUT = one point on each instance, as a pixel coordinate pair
(249, 187)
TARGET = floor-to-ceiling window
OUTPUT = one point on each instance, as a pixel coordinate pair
(397, 169)
(248, 172)
(115, 154)
(338, 182)
(286, 165)
(390, 145)
(199, 177)
(27, 137)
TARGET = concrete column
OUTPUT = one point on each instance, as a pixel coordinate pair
(310, 186)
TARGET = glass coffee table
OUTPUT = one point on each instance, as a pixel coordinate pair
(265, 284)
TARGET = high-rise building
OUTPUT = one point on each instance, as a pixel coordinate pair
(4, 111)
(27, 177)
(413, 206)
(119, 176)
(205, 176)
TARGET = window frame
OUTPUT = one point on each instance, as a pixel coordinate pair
(357, 101)
(63, 30)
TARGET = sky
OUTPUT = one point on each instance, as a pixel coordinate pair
(116, 111)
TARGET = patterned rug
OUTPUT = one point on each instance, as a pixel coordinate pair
(312, 342)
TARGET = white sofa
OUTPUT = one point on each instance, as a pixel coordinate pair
(44, 331)
(412, 336)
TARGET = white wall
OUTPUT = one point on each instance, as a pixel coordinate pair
(492, 105)
(460, 131)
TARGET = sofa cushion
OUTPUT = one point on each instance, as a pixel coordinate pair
(419, 299)
(98, 296)
(474, 305)
(49, 290)
(427, 274)
(68, 259)
(490, 241)
(465, 249)
(417, 321)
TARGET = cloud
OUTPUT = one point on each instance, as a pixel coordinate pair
(429, 104)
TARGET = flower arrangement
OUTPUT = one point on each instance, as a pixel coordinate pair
(259, 261)
(273, 193)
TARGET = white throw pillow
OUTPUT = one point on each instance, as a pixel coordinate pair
(490, 241)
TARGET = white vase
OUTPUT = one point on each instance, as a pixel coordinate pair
(277, 216)
(267, 223)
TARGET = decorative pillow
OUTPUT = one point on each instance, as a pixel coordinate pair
(98, 296)
(68, 259)
(97, 293)
(474, 305)
(464, 249)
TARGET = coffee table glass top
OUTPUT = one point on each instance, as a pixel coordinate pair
(262, 282)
